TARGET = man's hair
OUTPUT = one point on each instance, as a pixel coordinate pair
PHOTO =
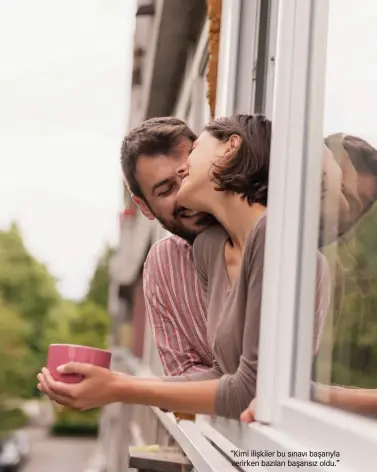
(153, 137)
(246, 170)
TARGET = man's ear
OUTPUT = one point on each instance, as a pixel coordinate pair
(144, 208)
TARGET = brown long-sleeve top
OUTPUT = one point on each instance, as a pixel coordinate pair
(233, 315)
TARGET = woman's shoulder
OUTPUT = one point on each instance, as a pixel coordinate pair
(258, 234)
(254, 249)
(207, 243)
(211, 236)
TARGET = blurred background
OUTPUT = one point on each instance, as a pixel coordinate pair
(65, 77)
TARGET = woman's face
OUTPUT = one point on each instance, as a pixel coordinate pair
(341, 203)
(197, 186)
(350, 204)
(334, 205)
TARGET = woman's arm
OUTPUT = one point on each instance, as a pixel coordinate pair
(322, 299)
(102, 386)
(187, 397)
(356, 400)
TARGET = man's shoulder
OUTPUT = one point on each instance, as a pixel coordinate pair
(168, 250)
(168, 257)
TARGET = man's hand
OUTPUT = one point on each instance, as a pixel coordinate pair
(98, 388)
(248, 415)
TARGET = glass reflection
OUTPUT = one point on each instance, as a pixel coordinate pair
(345, 368)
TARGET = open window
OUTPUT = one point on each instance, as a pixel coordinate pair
(321, 205)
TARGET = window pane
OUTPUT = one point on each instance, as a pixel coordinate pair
(347, 354)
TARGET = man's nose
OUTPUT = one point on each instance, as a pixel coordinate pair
(181, 170)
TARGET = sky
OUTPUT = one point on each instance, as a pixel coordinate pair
(65, 75)
(351, 69)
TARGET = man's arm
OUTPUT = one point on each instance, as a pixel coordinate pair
(177, 354)
(212, 373)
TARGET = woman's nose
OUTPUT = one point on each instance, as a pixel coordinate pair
(182, 170)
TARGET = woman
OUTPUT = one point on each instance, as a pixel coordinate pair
(227, 176)
(348, 217)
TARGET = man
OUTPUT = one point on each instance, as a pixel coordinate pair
(174, 299)
(151, 155)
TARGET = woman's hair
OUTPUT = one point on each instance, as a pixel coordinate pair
(245, 172)
(363, 156)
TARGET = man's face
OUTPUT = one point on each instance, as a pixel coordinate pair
(159, 182)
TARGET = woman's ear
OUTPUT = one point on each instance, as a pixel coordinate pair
(234, 142)
(231, 146)
(144, 208)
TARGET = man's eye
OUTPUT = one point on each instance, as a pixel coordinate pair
(166, 192)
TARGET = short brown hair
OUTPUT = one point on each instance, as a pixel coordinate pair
(153, 137)
(246, 171)
(363, 156)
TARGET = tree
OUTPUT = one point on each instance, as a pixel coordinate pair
(15, 367)
(91, 326)
(14, 352)
(24, 281)
(27, 288)
(98, 291)
(355, 342)
(85, 324)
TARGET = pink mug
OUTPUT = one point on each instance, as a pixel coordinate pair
(59, 354)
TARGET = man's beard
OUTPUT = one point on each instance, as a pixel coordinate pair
(176, 228)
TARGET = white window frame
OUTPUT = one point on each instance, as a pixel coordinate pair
(246, 55)
(273, 16)
(227, 65)
(287, 419)
(236, 88)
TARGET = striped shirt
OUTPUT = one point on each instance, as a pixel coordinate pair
(177, 310)
(176, 307)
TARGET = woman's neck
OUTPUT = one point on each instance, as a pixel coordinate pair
(238, 218)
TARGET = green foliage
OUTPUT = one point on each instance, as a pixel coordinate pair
(15, 354)
(76, 423)
(355, 343)
(33, 315)
(85, 323)
(25, 283)
(11, 419)
(98, 291)
(27, 288)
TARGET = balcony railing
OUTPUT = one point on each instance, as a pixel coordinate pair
(207, 443)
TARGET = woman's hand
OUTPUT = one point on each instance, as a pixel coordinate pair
(98, 388)
(101, 387)
(248, 415)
